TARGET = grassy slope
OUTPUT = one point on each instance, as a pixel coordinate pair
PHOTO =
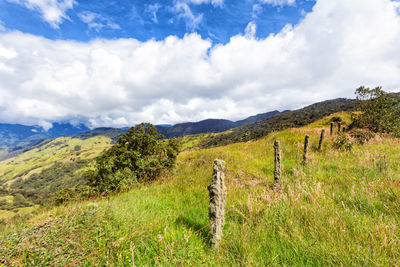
(342, 208)
(60, 149)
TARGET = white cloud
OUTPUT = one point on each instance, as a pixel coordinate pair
(2, 27)
(153, 9)
(279, 2)
(250, 31)
(97, 21)
(53, 11)
(182, 8)
(257, 10)
(213, 2)
(45, 125)
(184, 12)
(339, 46)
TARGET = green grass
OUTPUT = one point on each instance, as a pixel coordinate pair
(341, 208)
(193, 142)
(59, 150)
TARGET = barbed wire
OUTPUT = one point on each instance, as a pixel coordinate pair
(99, 209)
(136, 233)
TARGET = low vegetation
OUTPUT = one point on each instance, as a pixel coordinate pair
(380, 111)
(340, 207)
(39, 173)
(291, 119)
(140, 155)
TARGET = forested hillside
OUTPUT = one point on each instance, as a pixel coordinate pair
(296, 118)
(210, 125)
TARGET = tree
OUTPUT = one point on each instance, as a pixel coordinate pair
(379, 111)
(139, 155)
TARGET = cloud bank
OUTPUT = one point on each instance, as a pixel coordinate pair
(339, 46)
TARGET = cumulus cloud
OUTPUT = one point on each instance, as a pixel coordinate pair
(336, 48)
(97, 22)
(52, 11)
(279, 2)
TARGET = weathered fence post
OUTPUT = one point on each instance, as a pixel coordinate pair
(305, 149)
(331, 128)
(321, 139)
(216, 210)
(338, 127)
(277, 171)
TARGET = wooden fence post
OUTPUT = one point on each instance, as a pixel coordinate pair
(277, 171)
(331, 128)
(321, 139)
(305, 149)
(216, 210)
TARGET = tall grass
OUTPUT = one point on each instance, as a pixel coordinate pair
(342, 208)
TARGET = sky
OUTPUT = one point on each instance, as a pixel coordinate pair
(119, 63)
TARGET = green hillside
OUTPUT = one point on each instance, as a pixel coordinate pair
(30, 178)
(341, 208)
(63, 149)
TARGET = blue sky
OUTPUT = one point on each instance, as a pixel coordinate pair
(118, 63)
(144, 20)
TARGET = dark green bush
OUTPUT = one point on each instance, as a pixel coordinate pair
(139, 155)
(342, 143)
(380, 111)
(336, 119)
(362, 136)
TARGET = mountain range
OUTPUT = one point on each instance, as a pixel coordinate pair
(17, 136)
(14, 137)
(210, 125)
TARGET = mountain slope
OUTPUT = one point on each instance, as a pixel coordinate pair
(318, 216)
(16, 138)
(295, 118)
(35, 176)
(62, 149)
(209, 125)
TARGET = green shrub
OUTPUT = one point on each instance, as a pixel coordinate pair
(380, 112)
(361, 136)
(139, 155)
(342, 143)
(336, 119)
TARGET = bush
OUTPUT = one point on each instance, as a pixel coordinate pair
(380, 112)
(342, 143)
(361, 136)
(336, 119)
(139, 155)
